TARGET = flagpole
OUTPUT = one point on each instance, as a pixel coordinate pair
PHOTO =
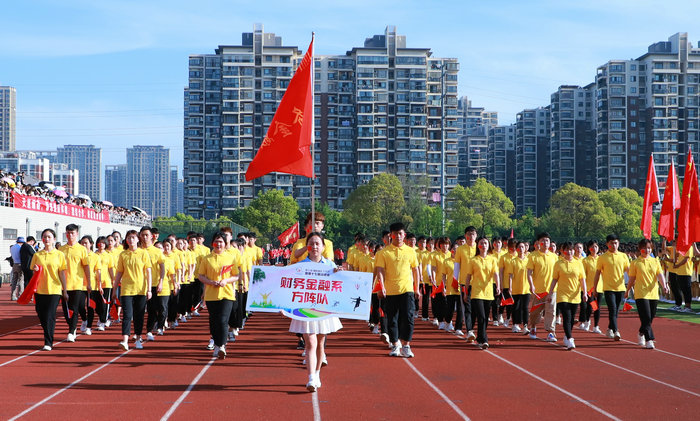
(313, 136)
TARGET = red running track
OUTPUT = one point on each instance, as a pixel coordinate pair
(263, 378)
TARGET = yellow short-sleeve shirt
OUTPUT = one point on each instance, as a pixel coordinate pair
(397, 263)
(482, 270)
(589, 266)
(170, 262)
(211, 266)
(542, 267)
(52, 262)
(301, 244)
(612, 267)
(132, 265)
(687, 268)
(464, 253)
(106, 262)
(447, 267)
(94, 261)
(76, 259)
(519, 285)
(569, 276)
(645, 271)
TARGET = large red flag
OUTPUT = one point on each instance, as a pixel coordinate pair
(286, 147)
(290, 235)
(671, 203)
(689, 215)
(651, 196)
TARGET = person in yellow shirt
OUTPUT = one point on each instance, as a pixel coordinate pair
(424, 281)
(439, 303)
(299, 252)
(218, 271)
(114, 248)
(185, 294)
(146, 242)
(106, 264)
(519, 287)
(95, 283)
(464, 253)
(352, 251)
(683, 269)
(397, 271)
(77, 274)
(590, 263)
(445, 276)
(427, 273)
(52, 284)
(644, 273)
(134, 285)
(504, 268)
(540, 268)
(482, 274)
(496, 252)
(611, 267)
(569, 282)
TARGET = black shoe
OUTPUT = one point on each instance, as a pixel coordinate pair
(301, 344)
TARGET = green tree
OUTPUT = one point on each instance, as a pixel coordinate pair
(576, 213)
(427, 221)
(270, 213)
(373, 206)
(482, 205)
(626, 206)
(526, 226)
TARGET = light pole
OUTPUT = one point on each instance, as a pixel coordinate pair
(441, 67)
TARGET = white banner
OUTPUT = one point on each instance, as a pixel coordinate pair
(310, 291)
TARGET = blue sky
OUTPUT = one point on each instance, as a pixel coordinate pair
(111, 73)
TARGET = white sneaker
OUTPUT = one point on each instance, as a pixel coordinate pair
(235, 332)
(516, 329)
(167, 325)
(500, 319)
(441, 326)
(582, 326)
(597, 330)
(175, 323)
(484, 346)
(311, 385)
(222, 352)
(150, 337)
(526, 330)
(324, 361)
(83, 326)
(641, 341)
(395, 351)
(406, 351)
(183, 318)
(559, 319)
(303, 354)
(101, 327)
(686, 310)
(533, 334)
(571, 344)
(124, 345)
(435, 322)
(385, 337)
(195, 313)
(88, 331)
(425, 319)
(471, 337)
(610, 334)
(566, 342)
(108, 323)
(506, 323)
(71, 337)
(617, 336)
(46, 348)
(495, 322)
(459, 332)
(650, 344)
(675, 308)
(375, 331)
(210, 346)
(231, 336)
(138, 344)
(450, 327)
(551, 337)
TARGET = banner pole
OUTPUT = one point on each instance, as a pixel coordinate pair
(313, 137)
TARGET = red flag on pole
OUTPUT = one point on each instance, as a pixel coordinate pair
(671, 203)
(286, 146)
(689, 215)
(651, 196)
(28, 294)
(290, 235)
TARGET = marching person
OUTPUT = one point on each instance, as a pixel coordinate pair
(611, 267)
(77, 276)
(482, 275)
(516, 268)
(569, 282)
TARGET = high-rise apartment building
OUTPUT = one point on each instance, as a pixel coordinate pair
(382, 107)
(115, 184)
(64, 176)
(176, 191)
(474, 125)
(148, 179)
(532, 160)
(87, 159)
(35, 169)
(572, 146)
(501, 159)
(8, 109)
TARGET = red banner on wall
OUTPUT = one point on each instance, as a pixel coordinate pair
(42, 205)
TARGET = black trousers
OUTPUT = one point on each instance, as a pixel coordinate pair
(646, 309)
(173, 303)
(521, 308)
(495, 304)
(468, 318)
(99, 308)
(74, 307)
(239, 314)
(133, 308)
(683, 282)
(675, 288)
(454, 304)
(45, 306)
(159, 306)
(107, 294)
(568, 310)
(481, 311)
(399, 313)
(219, 313)
(233, 314)
(427, 289)
(374, 313)
(439, 304)
(185, 299)
(613, 300)
(505, 293)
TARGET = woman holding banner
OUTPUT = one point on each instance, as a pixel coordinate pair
(315, 331)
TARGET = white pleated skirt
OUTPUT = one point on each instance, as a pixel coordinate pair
(322, 327)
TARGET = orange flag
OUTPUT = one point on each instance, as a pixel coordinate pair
(594, 306)
(290, 235)
(689, 215)
(669, 206)
(626, 307)
(28, 294)
(286, 146)
(651, 196)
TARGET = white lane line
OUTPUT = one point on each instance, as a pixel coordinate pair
(317, 408)
(31, 353)
(19, 330)
(550, 384)
(666, 352)
(438, 391)
(182, 397)
(639, 374)
(38, 404)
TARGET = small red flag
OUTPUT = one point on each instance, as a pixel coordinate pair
(689, 215)
(511, 233)
(92, 304)
(114, 313)
(440, 288)
(594, 306)
(536, 306)
(377, 288)
(626, 307)
(290, 235)
(225, 269)
(455, 284)
(507, 301)
(286, 147)
(29, 291)
(381, 312)
(651, 196)
(671, 203)
(541, 295)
